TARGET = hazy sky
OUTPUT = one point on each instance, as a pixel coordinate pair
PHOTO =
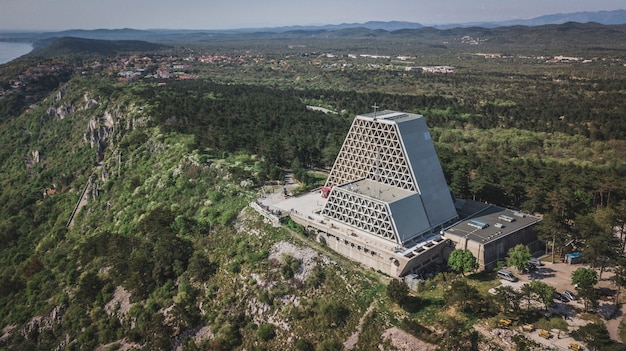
(230, 14)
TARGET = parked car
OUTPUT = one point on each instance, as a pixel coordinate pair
(529, 268)
(504, 274)
(535, 261)
(558, 296)
(570, 295)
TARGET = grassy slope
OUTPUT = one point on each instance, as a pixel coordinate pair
(76, 270)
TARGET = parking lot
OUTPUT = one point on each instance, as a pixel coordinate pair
(559, 275)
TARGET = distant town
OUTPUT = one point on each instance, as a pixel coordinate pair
(187, 65)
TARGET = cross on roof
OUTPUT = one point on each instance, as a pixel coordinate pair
(375, 107)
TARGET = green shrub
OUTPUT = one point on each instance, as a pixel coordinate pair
(397, 291)
(333, 313)
(266, 332)
(303, 345)
(329, 345)
(290, 266)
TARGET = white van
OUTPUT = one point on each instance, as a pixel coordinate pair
(506, 275)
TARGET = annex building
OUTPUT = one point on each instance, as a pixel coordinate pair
(489, 231)
(386, 203)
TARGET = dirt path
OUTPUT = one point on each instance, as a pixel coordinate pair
(354, 338)
(82, 201)
(404, 341)
(613, 324)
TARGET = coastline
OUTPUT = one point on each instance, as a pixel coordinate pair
(10, 51)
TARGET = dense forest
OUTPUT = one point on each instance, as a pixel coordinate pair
(276, 124)
(166, 253)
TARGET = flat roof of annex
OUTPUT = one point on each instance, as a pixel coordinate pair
(491, 223)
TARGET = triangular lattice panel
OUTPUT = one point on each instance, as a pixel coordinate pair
(372, 150)
(361, 212)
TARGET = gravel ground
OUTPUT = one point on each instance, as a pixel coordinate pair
(120, 302)
(559, 275)
(406, 342)
(308, 257)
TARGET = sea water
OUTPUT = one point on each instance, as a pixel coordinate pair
(10, 51)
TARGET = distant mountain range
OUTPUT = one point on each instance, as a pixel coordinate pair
(607, 38)
(372, 28)
(602, 17)
(373, 25)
